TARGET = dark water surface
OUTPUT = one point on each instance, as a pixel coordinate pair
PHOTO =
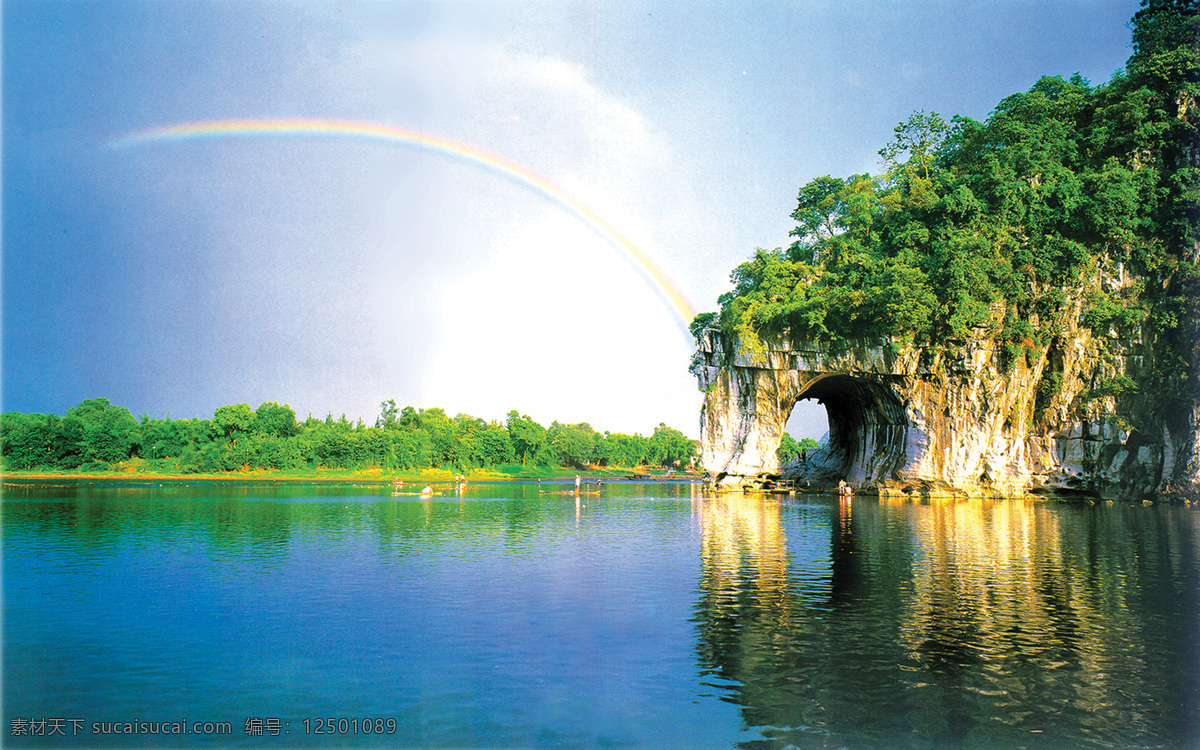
(649, 615)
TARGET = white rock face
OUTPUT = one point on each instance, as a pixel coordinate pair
(903, 420)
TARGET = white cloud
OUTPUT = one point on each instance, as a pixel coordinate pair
(547, 113)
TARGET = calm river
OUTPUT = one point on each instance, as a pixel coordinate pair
(648, 615)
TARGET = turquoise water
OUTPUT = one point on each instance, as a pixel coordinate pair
(648, 615)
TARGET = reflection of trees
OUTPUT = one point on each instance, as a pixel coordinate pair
(262, 520)
(975, 623)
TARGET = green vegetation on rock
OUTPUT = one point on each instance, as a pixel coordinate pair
(1070, 206)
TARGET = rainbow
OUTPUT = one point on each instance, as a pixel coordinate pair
(543, 186)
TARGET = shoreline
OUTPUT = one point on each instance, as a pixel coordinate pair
(334, 476)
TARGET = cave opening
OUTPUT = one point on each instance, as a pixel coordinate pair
(808, 419)
(867, 429)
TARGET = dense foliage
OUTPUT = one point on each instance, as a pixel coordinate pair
(981, 228)
(96, 434)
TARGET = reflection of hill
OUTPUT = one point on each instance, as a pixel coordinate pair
(974, 623)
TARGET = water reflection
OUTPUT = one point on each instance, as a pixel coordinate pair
(977, 623)
(517, 615)
(267, 521)
(512, 619)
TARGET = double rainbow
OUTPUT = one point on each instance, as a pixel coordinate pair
(543, 186)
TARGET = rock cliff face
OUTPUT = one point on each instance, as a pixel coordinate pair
(905, 420)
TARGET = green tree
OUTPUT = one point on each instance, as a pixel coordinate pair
(105, 433)
(440, 429)
(480, 443)
(528, 439)
(272, 419)
(918, 139)
(233, 419)
(27, 440)
(411, 448)
(573, 444)
(388, 415)
(818, 215)
(788, 449)
(619, 449)
(494, 445)
(670, 447)
(168, 438)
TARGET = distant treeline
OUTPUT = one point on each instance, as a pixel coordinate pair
(96, 434)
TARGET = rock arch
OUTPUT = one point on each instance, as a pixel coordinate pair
(868, 428)
(951, 421)
(747, 407)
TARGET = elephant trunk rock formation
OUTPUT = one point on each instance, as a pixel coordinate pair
(932, 422)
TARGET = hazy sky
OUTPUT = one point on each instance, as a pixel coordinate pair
(176, 275)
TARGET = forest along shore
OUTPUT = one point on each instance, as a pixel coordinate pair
(98, 438)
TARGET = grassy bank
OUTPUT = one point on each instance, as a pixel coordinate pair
(131, 470)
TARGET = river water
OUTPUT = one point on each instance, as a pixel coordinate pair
(647, 615)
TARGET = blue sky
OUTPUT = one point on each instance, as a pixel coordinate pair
(331, 274)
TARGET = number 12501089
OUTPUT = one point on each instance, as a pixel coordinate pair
(350, 726)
